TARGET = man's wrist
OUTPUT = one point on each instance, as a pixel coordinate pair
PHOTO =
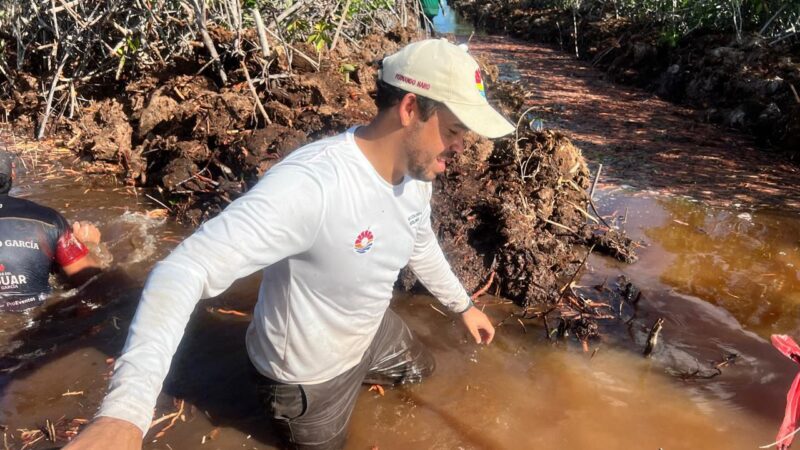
(124, 426)
(469, 306)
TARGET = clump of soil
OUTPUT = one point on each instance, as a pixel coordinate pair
(518, 208)
(106, 131)
(748, 85)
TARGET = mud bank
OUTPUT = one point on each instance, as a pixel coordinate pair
(748, 85)
(202, 145)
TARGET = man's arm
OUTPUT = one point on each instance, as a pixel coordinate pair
(70, 247)
(433, 271)
(82, 270)
(279, 217)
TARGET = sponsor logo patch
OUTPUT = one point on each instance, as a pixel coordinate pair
(33, 245)
(10, 281)
(363, 242)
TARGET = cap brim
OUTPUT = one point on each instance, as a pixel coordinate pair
(482, 119)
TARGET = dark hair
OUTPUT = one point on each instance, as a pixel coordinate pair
(388, 96)
(5, 183)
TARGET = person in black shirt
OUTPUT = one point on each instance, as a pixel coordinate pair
(34, 241)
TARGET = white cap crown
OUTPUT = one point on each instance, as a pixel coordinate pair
(444, 72)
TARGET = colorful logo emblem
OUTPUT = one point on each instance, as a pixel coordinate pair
(2, 268)
(479, 82)
(363, 242)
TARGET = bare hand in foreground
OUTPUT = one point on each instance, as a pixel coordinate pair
(479, 326)
(107, 433)
(86, 232)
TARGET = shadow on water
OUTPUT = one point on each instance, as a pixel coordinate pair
(68, 345)
(209, 372)
(67, 323)
(724, 280)
(65, 349)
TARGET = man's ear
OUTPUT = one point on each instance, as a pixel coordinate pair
(408, 109)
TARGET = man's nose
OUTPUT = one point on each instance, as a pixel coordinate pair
(457, 146)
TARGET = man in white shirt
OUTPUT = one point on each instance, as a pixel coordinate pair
(330, 227)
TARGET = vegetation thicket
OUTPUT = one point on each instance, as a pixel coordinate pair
(70, 51)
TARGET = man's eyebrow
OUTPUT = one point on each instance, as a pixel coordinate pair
(461, 126)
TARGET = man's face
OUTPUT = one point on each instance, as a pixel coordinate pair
(432, 144)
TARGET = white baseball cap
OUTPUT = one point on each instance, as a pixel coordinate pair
(441, 71)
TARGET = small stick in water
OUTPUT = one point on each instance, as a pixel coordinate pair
(437, 310)
(652, 338)
(231, 312)
(594, 184)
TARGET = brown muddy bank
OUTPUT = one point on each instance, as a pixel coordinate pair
(202, 145)
(748, 85)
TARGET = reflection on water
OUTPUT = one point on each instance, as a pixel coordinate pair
(747, 263)
(520, 392)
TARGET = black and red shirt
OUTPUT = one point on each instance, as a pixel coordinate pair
(33, 240)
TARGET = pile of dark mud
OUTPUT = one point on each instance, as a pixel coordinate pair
(202, 145)
(748, 85)
(521, 208)
(514, 218)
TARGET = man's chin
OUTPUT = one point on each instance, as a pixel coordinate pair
(427, 176)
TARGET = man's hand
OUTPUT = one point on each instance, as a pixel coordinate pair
(86, 232)
(479, 326)
(106, 433)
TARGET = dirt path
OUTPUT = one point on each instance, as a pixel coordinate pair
(641, 140)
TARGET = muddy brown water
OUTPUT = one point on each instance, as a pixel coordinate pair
(722, 279)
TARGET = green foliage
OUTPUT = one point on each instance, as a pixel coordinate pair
(346, 69)
(320, 37)
(318, 31)
(679, 17)
(131, 45)
(366, 6)
(297, 27)
(669, 37)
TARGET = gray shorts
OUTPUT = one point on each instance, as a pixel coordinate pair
(316, 416)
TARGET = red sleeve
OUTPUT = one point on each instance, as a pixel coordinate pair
(69, 249)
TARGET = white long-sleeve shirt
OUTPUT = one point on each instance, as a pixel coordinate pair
(331, 236)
